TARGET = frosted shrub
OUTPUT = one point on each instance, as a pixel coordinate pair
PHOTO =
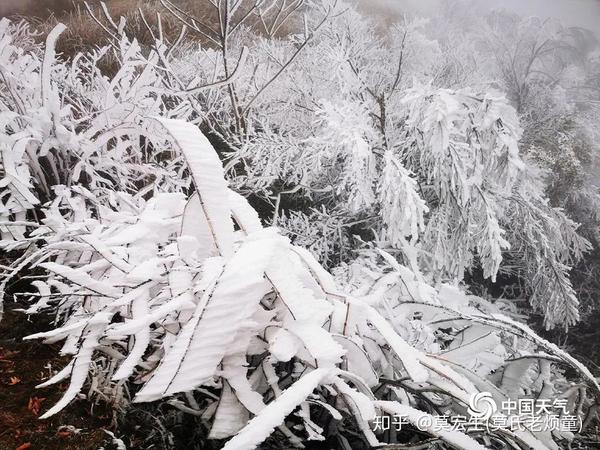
(196, 296)
(67, 123)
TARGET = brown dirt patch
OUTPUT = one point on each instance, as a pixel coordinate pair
(23, 365)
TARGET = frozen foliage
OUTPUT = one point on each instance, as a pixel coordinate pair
(397, 159)
(549, 74)
(249, 315)
(66, 124)
(165, 283)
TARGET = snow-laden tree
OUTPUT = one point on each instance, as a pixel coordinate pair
(548, 73)
(355, 130)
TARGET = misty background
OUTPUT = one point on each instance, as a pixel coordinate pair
(580, 13)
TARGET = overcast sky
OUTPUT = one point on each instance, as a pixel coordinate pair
(583, 13)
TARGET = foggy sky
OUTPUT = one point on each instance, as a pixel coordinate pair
(582, 13)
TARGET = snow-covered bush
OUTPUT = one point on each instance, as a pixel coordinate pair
(195, 295)
(66, 123)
